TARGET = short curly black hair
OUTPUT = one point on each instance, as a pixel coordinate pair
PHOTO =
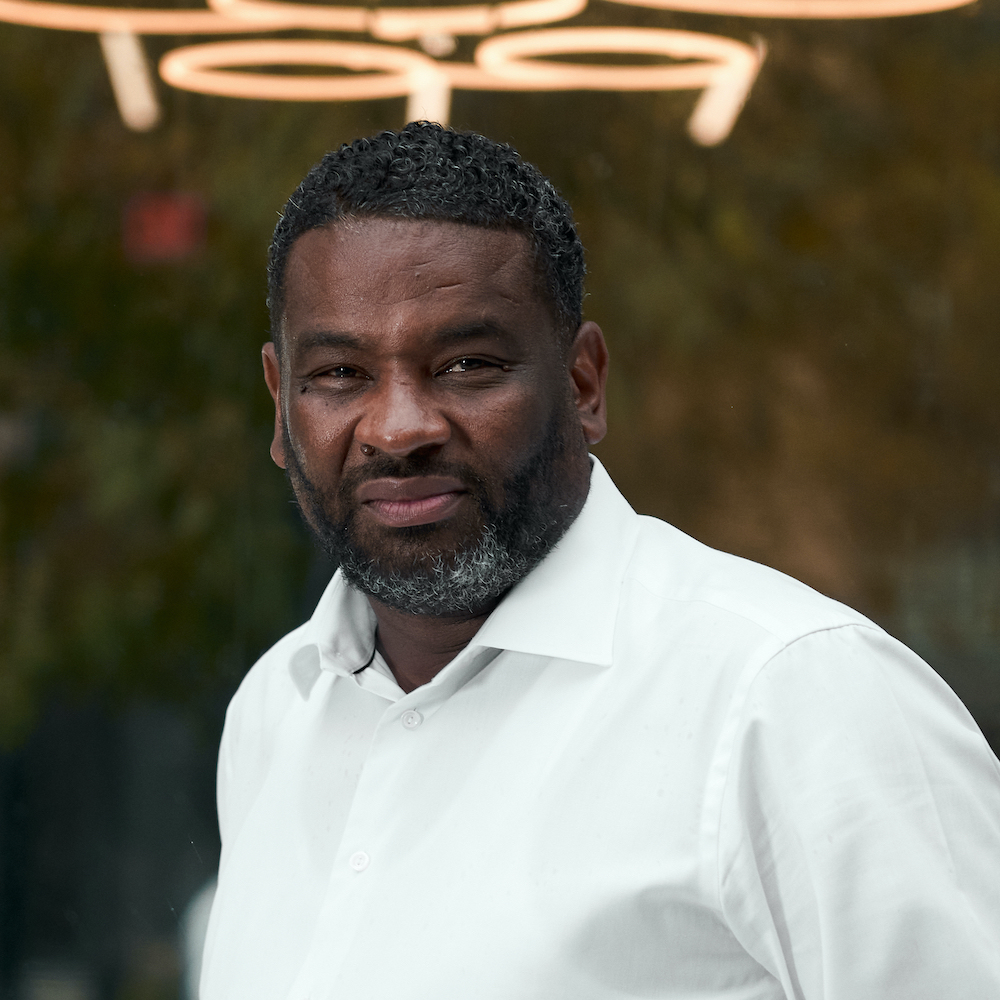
(426, 171)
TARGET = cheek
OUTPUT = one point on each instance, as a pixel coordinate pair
(510, 432)
(321, 437)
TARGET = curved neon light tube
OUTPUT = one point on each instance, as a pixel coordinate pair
(803, 9)
(430, 98)
(201, 68)
(130, 79)
(727, 72)
(400, 23)
(511, 56)
(501, 64)
(82, 17)
(238, 16)
(723, 68)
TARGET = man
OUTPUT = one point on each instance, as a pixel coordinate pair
(532, 746)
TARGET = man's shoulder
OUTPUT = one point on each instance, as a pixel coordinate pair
(269, 686)
(264, 698)
(677, 570)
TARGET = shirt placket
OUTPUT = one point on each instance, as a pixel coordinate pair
(368, 843)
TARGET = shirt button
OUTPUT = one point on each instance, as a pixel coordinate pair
(411, 719)
(359, 861)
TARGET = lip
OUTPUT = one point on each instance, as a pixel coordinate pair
(400, 503)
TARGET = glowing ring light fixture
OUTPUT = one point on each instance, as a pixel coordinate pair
(83, 17)
(510, 56)
(400, 23)
(201, 68)
(803, 9)
(237, 16)
(724, 69)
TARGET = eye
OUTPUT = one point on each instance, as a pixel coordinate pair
(335, 378)
(468, 365)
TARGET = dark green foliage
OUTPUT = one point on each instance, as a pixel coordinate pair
(802, 320)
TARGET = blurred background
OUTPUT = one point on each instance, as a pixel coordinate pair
(804, 329)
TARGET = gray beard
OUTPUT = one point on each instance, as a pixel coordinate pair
(468, 580)
(513, 542)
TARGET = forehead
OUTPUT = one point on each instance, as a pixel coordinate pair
(379, 271)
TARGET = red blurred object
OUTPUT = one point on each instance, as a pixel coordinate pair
(162, 226)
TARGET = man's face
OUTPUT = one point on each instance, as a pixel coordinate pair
(433, 423)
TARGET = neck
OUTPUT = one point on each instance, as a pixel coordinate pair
(418, 647)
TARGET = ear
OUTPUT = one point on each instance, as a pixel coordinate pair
(588, 371)
(272, 376)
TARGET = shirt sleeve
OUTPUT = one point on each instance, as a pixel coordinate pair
(859, 836)
(224, 782)
(245, 750)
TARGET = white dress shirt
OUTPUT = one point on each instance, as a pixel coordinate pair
(657, 771)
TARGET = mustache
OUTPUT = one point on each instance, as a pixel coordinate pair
(382, 467)
(387, 467)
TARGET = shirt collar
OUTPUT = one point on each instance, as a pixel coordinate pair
(568, 605)
(565, 608)
(339, 637)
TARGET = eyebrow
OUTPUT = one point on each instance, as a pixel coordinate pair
(326, 338)
(470, 331)
(443, 338)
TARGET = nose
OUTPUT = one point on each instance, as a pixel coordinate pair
(401, 418)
